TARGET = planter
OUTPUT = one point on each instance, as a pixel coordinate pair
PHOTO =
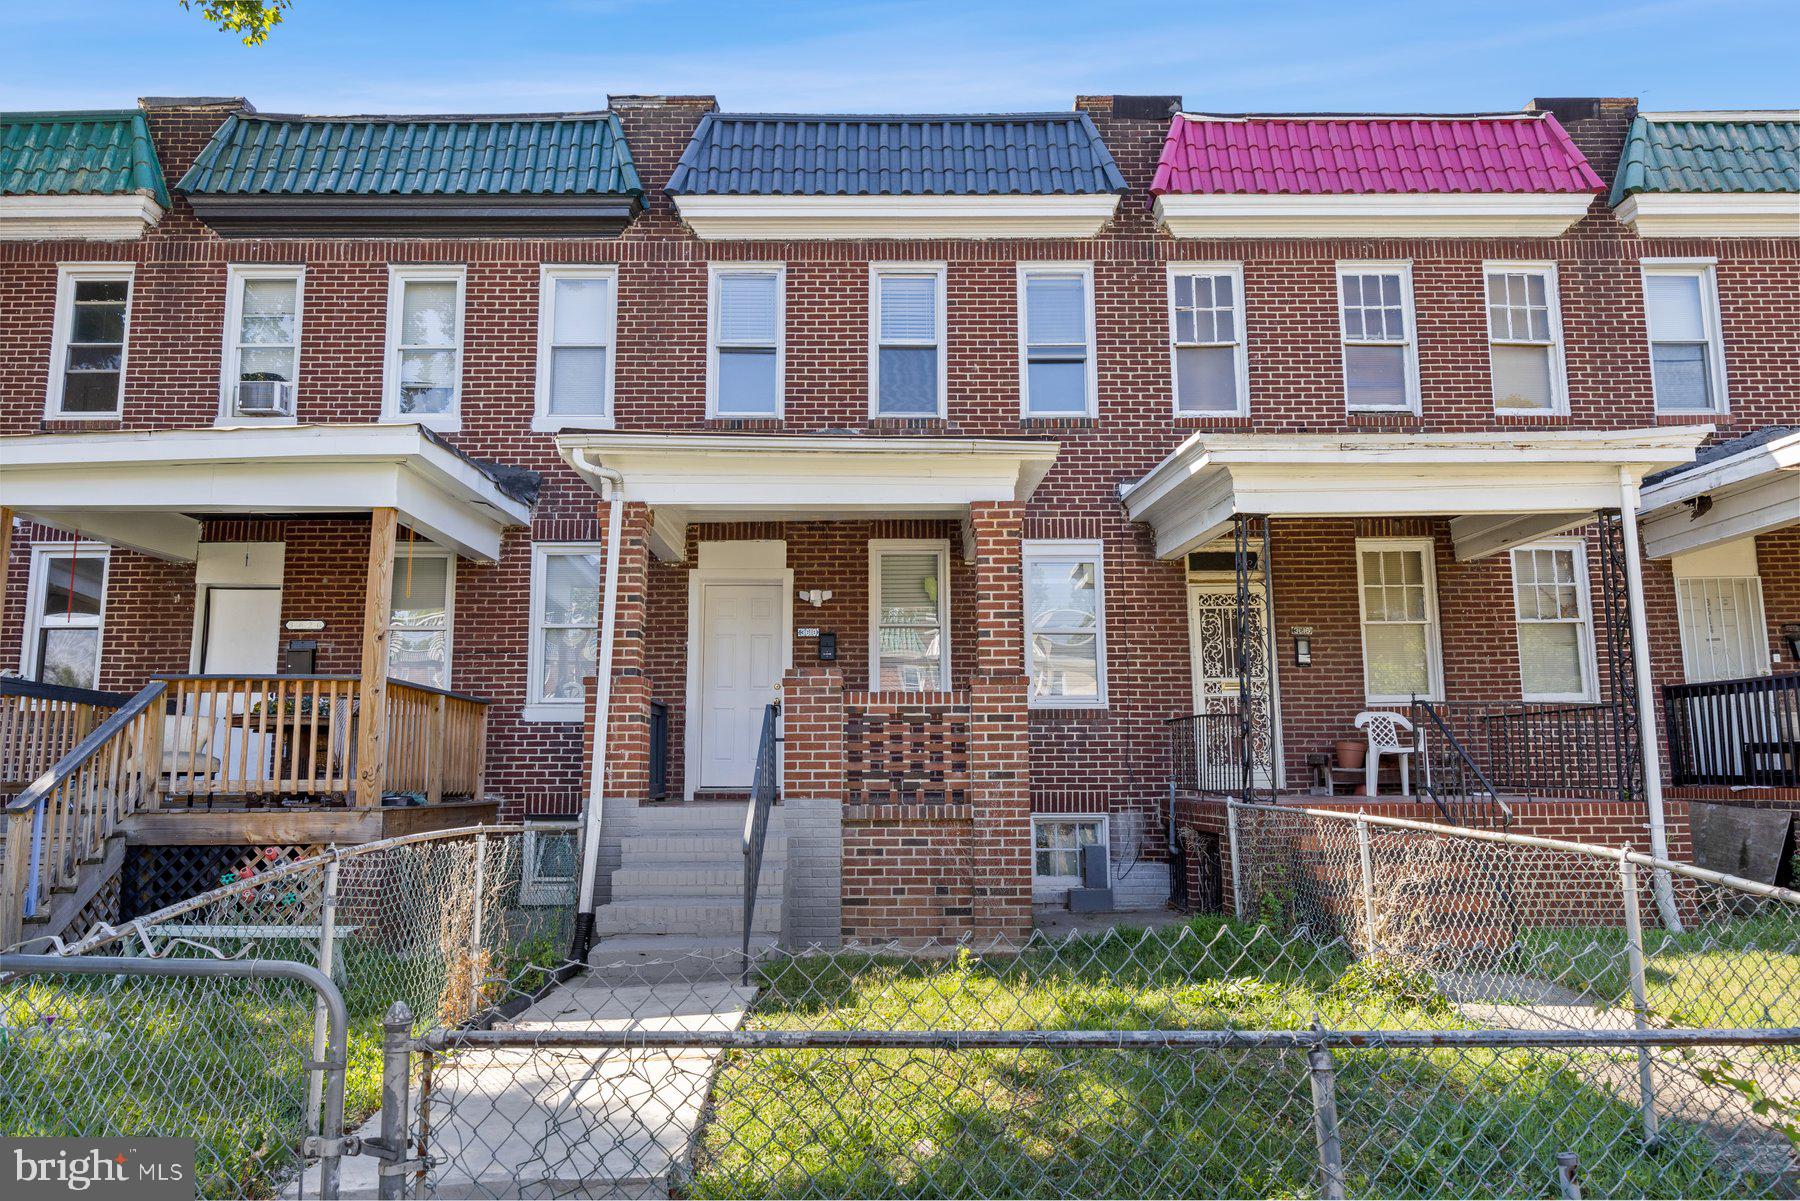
(1351, 752)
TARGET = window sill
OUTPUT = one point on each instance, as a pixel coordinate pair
(744, 423)
(566, 714)
(1688, 418)
(1068, 708)
(555, 425)
(1058, 421)
(84, 418)
(239, 423)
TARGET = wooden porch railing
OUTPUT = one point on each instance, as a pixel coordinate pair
(40, 723)
(437, 741)
(62, 822)
(906, 748)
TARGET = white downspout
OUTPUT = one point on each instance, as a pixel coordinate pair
(1646, 697)
(612, 490)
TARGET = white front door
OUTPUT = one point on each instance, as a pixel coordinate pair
(1212, 626)
(243, 631)
(740, 674)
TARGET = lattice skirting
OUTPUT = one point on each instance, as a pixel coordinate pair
(103, 906)
(154, 877)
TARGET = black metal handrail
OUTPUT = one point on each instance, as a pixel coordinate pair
(764, 788)
(1205, 752)
(659, 751)
(1452, 779)
(1554, 749)
(1734, 733)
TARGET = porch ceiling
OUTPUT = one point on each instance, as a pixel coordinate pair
(688, 478)
(1500, 490)
(148, 490)
(1742, 489)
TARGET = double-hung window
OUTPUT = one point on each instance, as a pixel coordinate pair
(1687, 357)
(906, 341)
(87, 358)
(1056, 340)
(746, 359)
(424, 346)
(1375, 311)
(420, 616)
(1525, 356)
(67, 614)
(909, 636)
(1065, 624)
(262, 343)
(576, 307)
(1550, 604)
(1397, 589)
(1206, 330)
(565, 624)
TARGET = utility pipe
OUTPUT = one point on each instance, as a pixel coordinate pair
(1646, 698)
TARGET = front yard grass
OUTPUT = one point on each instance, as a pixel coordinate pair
(856, 1123)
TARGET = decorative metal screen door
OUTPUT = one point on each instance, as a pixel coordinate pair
(1212, 630)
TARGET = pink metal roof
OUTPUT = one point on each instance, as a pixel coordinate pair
(1338, 155)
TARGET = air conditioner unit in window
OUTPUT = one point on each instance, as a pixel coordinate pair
(265, 398)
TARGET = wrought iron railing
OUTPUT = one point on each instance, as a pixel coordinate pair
(1538, 750)
(1206, 752)
(1735, 733)
(1450, 778)
(765, 786)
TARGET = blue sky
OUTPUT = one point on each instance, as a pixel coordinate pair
(334, 56)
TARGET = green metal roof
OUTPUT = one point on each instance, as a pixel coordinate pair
(105, 153)
(1710, 152)
(256, 154)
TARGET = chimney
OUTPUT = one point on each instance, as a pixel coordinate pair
(657, 129)
(180, 127)
(1129, 108)
(1596, 124)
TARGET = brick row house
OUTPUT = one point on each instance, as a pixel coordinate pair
(984, 487)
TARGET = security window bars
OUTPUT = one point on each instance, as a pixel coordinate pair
(1399, 620)
(1523, 335)
(1057, 328)
(1208, 336)
(425, 323)
(746, 342)
(92, 323)
(575, 335)
(564, 628)
(1065, 644)
(1686, 357)
(1724, 635)
(1550, 603)
(909, 343)
(67, 616)
(424, 590)
(1375, 309)
(910, 635)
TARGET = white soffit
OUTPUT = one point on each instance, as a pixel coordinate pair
(726, 218)
(1755, 491)
(1712, 214)
(1389, 215)
(147, 489)
(1506, 488)
(92, 218)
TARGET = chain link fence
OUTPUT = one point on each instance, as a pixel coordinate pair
(1393, 1010)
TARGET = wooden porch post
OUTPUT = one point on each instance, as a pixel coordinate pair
(378, 595)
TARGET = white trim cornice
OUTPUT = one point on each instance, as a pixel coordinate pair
(1712, 214)
(91, 218)
(726, 218)
(1387, 215)
(1755, 491)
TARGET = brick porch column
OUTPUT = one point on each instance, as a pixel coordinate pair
(628, 717)
(812, 806)
(999, 737)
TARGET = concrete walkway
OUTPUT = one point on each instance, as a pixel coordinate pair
(535, 1122)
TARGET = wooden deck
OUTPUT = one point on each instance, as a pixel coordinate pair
(179, 826)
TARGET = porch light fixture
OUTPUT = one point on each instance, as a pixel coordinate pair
(1302, 645)
(816, 597)
(1790, 634)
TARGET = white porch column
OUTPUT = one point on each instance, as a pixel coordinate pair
(1646, 694)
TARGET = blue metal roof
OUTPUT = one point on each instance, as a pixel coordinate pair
(1018, 154)
(1710, 152)
(105, 153)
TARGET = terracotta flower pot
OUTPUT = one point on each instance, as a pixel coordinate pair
(1351, 752)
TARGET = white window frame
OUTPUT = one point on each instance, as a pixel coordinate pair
(544, 421)
(37, 584)
(1434, 631)
(888, 546)
(1085, 270)
(1590, 683)
(1409, 313)
(63, 325)
(536, 708)
(399, 275)
(714, 272)
(231, 351)
(535, 888)
(1241, 355)
(1559, 369)
(1706, 270)
(1068, 550)
(430, 551)
(937, 273)
(1050, 888)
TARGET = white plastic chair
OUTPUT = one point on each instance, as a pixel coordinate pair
(1384, 729)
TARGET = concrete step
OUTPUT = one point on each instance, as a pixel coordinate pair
(698, 880)
(684, 915)
(694, 850)
(624, 960)
(699, 818)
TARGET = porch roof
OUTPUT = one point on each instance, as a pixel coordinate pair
(1735, 489)
(1500, 489)
(747, 477)
(147, 490)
